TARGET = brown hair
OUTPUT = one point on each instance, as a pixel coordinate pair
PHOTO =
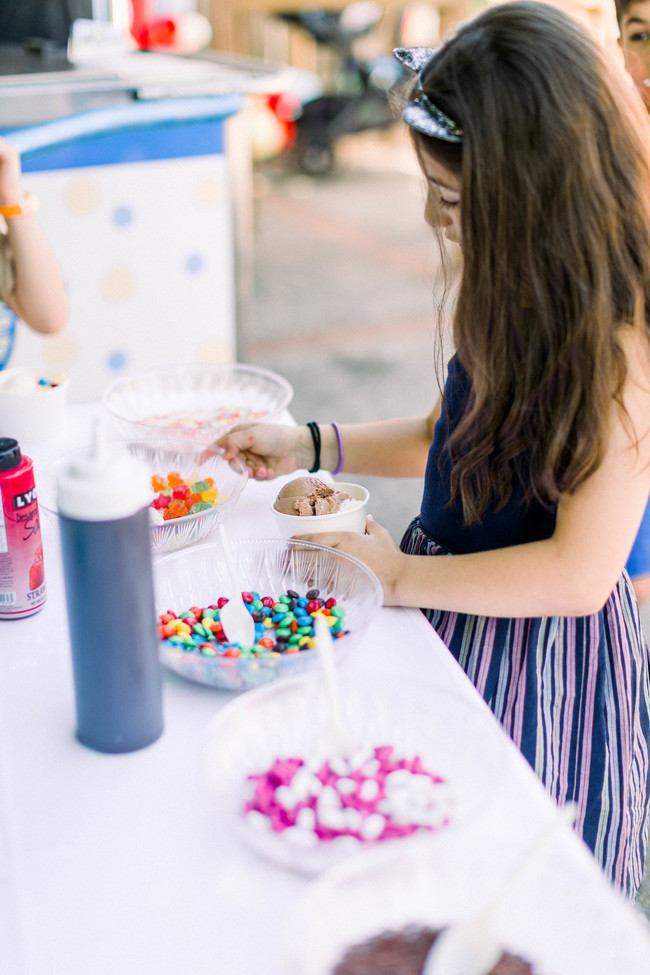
(621, 8)
(555, 192)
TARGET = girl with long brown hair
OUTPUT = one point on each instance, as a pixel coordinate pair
(536, 463)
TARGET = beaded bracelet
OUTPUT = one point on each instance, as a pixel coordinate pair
(314, 429)
(339, 440)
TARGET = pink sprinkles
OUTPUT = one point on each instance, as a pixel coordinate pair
(371, 795)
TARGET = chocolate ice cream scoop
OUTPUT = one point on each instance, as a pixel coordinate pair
(300, 486)
(308, 496)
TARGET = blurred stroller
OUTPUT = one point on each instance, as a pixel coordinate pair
(358, 100)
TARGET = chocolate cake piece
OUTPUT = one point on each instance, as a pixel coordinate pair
(404, 953)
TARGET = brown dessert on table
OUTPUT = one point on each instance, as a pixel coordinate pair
(308, 496)
(404, 953)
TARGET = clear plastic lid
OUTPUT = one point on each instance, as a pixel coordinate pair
(103, 484)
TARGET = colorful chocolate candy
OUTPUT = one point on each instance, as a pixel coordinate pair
(282, 626)
(371, 795)
(179, 496)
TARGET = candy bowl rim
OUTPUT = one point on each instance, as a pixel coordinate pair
(166, 538)
(240, 674)
(141, 427)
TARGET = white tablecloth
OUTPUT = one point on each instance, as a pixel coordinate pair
(117, 864)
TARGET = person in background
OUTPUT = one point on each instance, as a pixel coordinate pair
(535, 152)
(30, 278)
(598, 16)
(634, 39)
(634, 25)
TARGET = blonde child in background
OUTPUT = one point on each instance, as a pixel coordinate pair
(30, 279)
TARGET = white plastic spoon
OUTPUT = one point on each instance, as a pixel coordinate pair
(471, 948)
(335, 738)
(237, 622)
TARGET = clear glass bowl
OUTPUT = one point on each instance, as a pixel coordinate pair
(199, 576)
(386, 888)
(195, 402)
(451, 737)
(540, 914)
(162, 457)
(418, 883)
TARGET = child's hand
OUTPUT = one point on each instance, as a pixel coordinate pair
(10, 174)
(377, 549)
(268, 449)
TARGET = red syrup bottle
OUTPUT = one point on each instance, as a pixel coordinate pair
(22, 579)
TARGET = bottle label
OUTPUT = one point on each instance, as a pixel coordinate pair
(22, 579)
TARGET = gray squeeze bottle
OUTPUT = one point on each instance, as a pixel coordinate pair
(103, 499)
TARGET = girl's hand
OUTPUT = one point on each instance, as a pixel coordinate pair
(377, 549)
(10, 174)
(268, 449)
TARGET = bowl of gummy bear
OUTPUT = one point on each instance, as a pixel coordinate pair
(198, 402)
(192, 488)
(288, 584)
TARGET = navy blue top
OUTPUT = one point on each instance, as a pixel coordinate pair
(513, 524)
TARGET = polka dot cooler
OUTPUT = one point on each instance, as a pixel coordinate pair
(139, 271)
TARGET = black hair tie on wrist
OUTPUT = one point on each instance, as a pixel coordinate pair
(314, 429)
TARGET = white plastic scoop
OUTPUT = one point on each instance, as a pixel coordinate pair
(335, 738)
(237, 622)
(471, 948)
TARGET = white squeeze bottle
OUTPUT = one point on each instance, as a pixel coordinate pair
(103, 500)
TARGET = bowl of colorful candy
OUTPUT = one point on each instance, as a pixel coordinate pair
(422, 762)
(288, 583)
(196, 402)
(192, 488)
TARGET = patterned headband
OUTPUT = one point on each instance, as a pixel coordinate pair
(420, 113)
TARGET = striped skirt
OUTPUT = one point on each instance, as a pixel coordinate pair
(573, 693)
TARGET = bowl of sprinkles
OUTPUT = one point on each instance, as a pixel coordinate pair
(197, 402)
(192, 489)
(289, 583)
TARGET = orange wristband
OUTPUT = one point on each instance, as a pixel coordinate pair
(28, 205)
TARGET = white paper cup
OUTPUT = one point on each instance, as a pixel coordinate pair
(348, 520)
(36, 414)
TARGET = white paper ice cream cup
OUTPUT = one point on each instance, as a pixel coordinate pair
(28, 413)
(351, 519)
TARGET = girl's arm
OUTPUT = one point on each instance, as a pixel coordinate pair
(570, 574)
(387, 448)
(392, 448)
(39, 296)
